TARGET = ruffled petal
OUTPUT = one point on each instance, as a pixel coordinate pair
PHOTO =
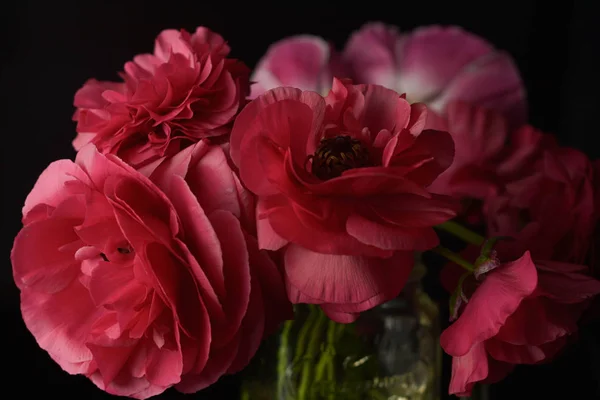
(354, 283)
(491, 305)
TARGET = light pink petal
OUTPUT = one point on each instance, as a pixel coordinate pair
(433, 56)
(165, 366)
(372, 54)
(359, 282)
(82, 139)
(171, 41)
(492, 82)
(468, 369)
(384, 109)
(300, 61)
(492, 303)
(50, 186)
(90, 95)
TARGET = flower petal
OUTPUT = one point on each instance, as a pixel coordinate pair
(354, 283)
(378, 64)
(492, 82)
(390, 237)
(491, 305)
(300, 61)
(468, 369)
(524, 354)
(433, 56)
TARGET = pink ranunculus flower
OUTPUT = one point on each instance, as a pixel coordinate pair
(305, 62)
(341, 185)
(488, 155)
(523, 311)
(185, 91)
(141, 286)
(436, 65)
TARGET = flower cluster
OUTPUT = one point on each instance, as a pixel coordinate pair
(204, 201)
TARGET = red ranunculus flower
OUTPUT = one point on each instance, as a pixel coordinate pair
(488, 155)
(521, 312)
(139, 285)
(557, 193)
(187, 90)
(341, 183)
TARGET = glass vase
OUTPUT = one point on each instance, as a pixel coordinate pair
(391, 352)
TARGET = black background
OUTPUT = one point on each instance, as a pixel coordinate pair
(49, 48)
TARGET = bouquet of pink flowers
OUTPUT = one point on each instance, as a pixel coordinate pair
(205, 200)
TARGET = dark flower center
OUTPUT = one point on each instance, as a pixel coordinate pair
(338, 154)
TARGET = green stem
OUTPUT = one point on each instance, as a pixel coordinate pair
(327, 355)
(283, 357)
(462, 232)
(455, 258)
(313, 347)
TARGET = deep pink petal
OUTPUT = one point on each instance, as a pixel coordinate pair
(538, 321)
(321, 238)
(524, 354)
(252, 329)
(218, 362)
(468, 369)
(492, 303)
(566, 283)
(236, 271)
(60, 323)
(347, 280)
(243, 125)
(277, 307)
(268, 239)
(37, 260)
(201, 238)
(390, 237)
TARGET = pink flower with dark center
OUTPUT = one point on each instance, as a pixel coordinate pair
(341, 185)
